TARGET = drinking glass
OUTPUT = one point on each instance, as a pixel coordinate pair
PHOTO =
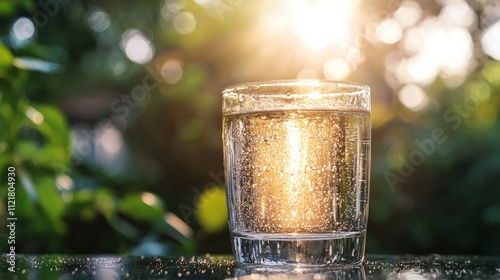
(297, 167)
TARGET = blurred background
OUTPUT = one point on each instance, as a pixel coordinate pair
(110, 112)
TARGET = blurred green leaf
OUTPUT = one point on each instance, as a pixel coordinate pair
(48, 156)
(51, 201)
(87, 213)
(53, 54)
(54, 126)
(212, 211)
(142, 206)
(7, 8)
(6, 57)
(55, 152)
(6, 112)
(47, 196)
(82, 204)
(24, 206)
(6, 158)
(29, 5)
(83, 196)
(105, 202)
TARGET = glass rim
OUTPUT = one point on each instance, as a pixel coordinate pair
(245, 86)
(295, 95)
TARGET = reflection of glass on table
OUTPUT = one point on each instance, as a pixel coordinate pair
(348, 273)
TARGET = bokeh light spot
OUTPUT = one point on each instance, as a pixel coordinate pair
(34, 115)
(454, 49)
(408, 14)
(414, 40)
(204, 3)
(98, 20)
(173, 6)
(336, 69)
(413, 97)
(149, 198)
(184, 22)
(321, 22)
(437, 48)
(23, 29)
(458, 13)
(389, 31)
(490, 41)
(116, 63)
(171, 71)
(111, 140)
(64, 182)
(420, 69)
(137, 47)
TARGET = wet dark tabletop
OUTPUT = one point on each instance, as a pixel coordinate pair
(223, 267)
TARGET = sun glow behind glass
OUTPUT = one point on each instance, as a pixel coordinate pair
(321, 22)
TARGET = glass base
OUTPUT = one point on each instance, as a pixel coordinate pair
(338, 249)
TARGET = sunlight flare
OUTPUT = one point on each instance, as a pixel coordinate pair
(321, 22)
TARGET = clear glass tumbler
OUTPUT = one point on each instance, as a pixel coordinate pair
(297, 167)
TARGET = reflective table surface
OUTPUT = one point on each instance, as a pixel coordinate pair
(223, 267)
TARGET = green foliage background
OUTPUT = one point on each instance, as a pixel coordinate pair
(161, 193)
